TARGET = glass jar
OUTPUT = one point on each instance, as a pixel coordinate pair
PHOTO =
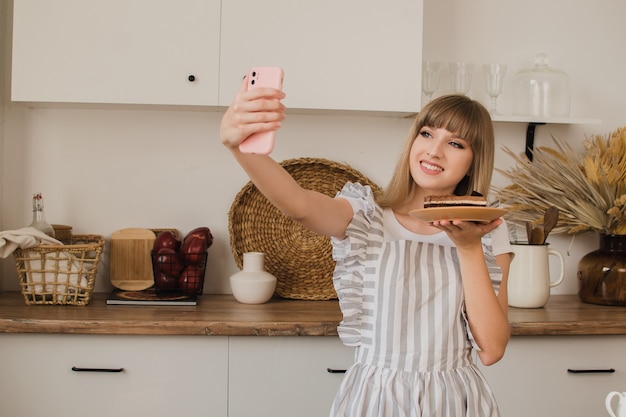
(602, 273)
(541, 91)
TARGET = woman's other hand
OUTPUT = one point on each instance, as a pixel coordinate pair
(256, 110)
(466, 233)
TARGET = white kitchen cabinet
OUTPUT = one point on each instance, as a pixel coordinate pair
(243, 376)
(362, 55)
(162, 376)
(285, 376)
(533, 379)
(342, 55)
(116, 51)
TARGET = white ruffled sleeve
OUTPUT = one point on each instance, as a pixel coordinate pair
(349, 254)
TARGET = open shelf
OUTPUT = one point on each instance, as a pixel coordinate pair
(534, 121)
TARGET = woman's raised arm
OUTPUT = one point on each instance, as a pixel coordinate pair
(260, 110)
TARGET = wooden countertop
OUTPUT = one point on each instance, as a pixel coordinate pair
(221, 315)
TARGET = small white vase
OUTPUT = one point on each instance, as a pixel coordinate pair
(253, 285)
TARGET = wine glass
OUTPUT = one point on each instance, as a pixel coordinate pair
(461, 76)
(494, 75)
(430, 78)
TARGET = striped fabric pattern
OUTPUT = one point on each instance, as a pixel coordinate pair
(403, 309)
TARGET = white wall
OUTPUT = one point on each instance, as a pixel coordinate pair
(4, 83)
(105, 169)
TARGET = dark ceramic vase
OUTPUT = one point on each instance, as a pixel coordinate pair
(602, 273)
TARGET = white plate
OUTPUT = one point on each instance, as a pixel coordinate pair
(474, 214)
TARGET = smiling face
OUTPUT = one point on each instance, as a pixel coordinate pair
(439, 160)
(451, 137)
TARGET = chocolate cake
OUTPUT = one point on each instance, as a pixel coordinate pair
(433, 201)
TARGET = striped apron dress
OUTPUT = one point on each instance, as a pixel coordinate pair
(403, 311)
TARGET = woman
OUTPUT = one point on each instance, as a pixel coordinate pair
(416, 297)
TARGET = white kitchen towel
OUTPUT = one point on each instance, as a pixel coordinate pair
(27, 237)
(56, 274)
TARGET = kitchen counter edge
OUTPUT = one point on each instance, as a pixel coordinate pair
(222, 315)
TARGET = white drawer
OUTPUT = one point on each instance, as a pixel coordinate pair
(535, 376)
(113, 375)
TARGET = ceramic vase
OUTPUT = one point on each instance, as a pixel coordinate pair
(602, 273)
(253, 285)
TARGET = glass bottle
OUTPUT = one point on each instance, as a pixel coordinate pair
(39, 216)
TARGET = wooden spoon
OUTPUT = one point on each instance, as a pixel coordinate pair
(529, 232)
(550, 219)
(537, 236)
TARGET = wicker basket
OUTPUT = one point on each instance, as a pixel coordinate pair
(300, 259)
(60, 274)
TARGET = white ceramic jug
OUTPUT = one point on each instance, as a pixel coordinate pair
(621, 407)
(529, 276)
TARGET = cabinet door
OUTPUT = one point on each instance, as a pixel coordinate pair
(284, 376)
(343, 55)
(533, 379)
(116, 51)
(162, 376)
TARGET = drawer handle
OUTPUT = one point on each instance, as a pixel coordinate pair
(335, 371)
(77, 369)
(591, 371)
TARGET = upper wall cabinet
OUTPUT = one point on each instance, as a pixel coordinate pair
(341, 55)
(362, 55)
(116, 51)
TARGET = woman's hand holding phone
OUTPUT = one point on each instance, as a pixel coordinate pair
(262, 142)
(252, 111)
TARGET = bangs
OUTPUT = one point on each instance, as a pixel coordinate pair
(456, 116)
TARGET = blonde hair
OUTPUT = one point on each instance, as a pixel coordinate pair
(460, 115)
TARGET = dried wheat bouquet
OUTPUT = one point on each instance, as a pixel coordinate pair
(588, 188)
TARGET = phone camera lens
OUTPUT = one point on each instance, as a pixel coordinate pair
(254, 73)
(252, 82)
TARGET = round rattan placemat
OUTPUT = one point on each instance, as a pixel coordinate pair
(300, 259)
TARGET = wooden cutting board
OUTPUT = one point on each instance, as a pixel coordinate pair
(130, 259)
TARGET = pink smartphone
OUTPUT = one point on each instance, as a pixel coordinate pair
(262, 142)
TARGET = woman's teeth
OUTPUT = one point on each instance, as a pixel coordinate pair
(431, 167)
